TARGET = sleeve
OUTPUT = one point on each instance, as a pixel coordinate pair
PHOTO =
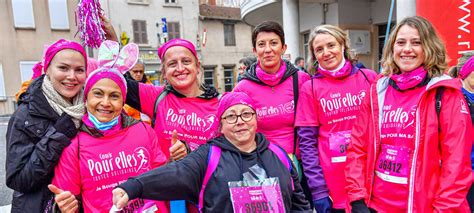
(356, 164)
(308, 141)
(455, 145)
(67, 172)
(298, 199)
(307, 108)
(159, 158)
(179, 180)
(133, 97)
(30, 164)
(148, 94)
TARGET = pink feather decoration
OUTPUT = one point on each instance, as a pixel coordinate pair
(89, 23)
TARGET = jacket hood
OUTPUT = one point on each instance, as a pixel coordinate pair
(210, 92)
(251, 73)
(444, 81)
(224, 144)
(126, 121)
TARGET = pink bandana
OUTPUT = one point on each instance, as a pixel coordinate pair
(176, 42)
(410, 79)
(109, 73)
(271, 79)
(467, 68)
(228, 100)
(341, 73)
(59, 45)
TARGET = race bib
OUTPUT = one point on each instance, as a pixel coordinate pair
(392, 164)
(256, 196)
(138, 205)
(338, 143)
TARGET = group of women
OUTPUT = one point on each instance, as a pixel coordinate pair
(399, 141)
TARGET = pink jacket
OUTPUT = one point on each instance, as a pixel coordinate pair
(440, 170)
(92, 166)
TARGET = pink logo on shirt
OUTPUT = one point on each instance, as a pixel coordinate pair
(122, 162)
(337, 101)
(398, 117)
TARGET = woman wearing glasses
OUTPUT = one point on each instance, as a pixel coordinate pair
(222, 174)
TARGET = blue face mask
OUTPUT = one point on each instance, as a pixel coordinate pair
(103, 126)
(468, 94)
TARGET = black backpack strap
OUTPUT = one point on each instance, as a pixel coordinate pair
(439, 95)
(295, 94)
(155, 108)
(365, 76)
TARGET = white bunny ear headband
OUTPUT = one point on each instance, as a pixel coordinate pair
(110, 56)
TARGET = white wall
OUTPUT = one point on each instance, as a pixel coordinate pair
(380, 11)
(311, 15)
(354, 12)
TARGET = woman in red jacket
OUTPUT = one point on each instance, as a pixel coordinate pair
(410, 145)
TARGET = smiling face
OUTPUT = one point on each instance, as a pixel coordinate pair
(327, 51)
(408, 50)
(241, 132)
(181, 68)
(105, 100)
(269, 49)
(67, 73)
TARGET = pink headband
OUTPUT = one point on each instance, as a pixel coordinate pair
(176, 42)
(467, 68)
(59, 45)
(110, 73)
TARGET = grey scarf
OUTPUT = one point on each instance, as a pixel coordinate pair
(76, 110)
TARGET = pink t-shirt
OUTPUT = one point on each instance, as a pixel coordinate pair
(332, 105)
(93, 167)
(393, 164)
(192, 118)
(275, 109)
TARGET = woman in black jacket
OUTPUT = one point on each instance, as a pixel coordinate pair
(246, 164)
(47, 117)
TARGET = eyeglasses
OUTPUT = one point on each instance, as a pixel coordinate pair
(245, 116)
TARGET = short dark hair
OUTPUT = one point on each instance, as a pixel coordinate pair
(268, 26)
(247, 61)
(298, 59)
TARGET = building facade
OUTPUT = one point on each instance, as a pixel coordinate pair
(365, 21)
(227, 40)
(26, 26)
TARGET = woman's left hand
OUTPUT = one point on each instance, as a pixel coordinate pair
(178, 148)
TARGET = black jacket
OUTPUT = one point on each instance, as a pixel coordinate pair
(182, 180)
(33, 150)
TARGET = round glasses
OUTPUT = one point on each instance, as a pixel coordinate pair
(232, 118)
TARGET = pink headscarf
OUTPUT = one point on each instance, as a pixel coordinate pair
(37, 70)
(228, 100)
(467, 68)
(59, 45)
(110, 73)
(176, 42)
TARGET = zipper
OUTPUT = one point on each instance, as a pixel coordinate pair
(414, 158)
(375, 146)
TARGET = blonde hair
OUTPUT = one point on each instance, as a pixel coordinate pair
(434, 50)
(335, 32)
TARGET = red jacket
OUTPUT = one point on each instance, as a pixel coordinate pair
(440, 174)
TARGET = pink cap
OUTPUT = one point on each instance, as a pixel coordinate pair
(59, 45)
(467, 68)
(176, 42)
(230, 99)
(110, 73)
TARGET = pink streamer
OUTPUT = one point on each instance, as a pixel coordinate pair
(89, 23)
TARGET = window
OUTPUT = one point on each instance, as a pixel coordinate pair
(23, 13)
(209, 75)
(170, 1)
(143, 2)
(26, 69)
(229, 35)
(228, 78)
(58, 14)
(305, 45)
(173, 30)
(2, 82)
(139, 32)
